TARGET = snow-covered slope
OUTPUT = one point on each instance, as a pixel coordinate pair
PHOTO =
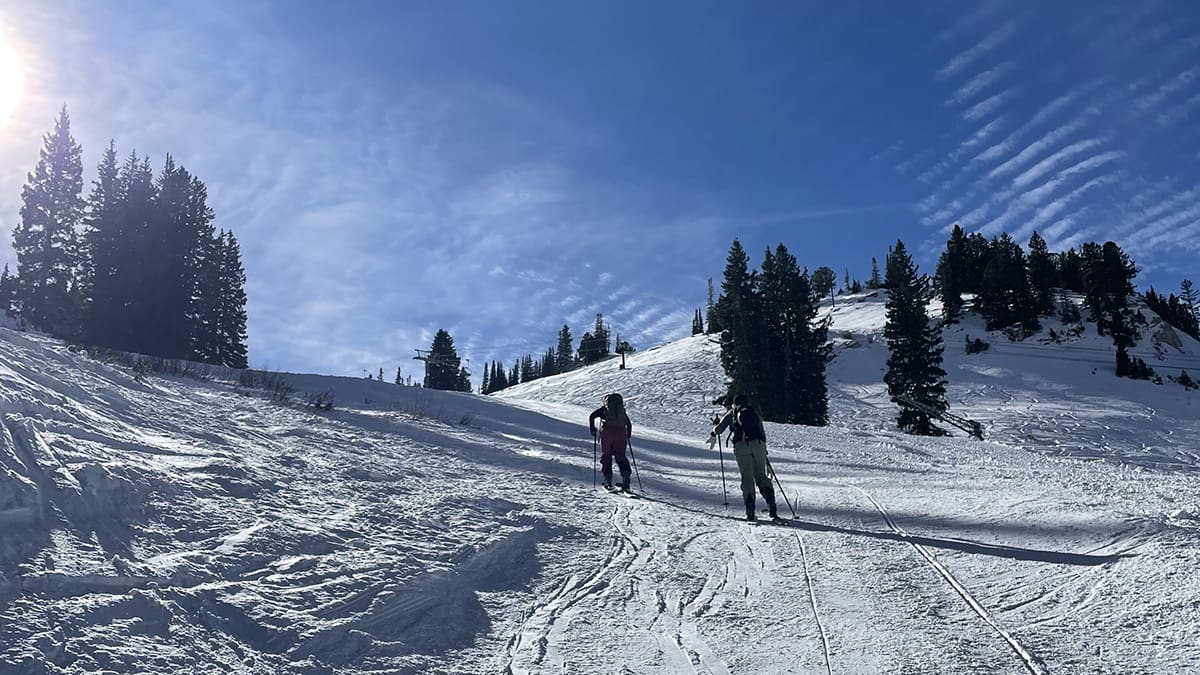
(162, 525)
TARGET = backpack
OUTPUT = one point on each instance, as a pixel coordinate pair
(614, 411)
(749, 423)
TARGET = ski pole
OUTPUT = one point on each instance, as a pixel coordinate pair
(721, 454)
(594, 461)
(634, 459)
(785, 497)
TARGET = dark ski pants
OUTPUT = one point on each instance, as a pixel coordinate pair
(612, 446)
(751, 459)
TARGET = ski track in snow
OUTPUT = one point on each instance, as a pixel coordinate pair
(165, 525)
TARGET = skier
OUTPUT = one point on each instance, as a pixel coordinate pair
(615, 433)
(750, 451)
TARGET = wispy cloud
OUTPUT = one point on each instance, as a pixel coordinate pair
(976, 85)
(997, 37)
(1036, 148)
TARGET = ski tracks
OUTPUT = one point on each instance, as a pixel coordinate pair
(632, 591)
(1031, 662)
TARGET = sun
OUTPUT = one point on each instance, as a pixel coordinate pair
(10, 82)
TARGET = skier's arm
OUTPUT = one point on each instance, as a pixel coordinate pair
(723, 424)
(599, 412)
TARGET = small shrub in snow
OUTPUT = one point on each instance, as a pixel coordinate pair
(1186, 381)
(976, 345)
(322, 402)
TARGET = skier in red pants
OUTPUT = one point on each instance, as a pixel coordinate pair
(614, 438)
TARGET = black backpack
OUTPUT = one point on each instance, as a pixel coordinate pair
(749, 423)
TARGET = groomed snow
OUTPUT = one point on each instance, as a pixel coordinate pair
(167, 525)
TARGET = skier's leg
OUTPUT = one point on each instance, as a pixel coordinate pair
(761, 477)
(623, 465)
(745, 463)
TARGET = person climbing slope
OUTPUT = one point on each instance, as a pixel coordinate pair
(615, 432)
(750, 451)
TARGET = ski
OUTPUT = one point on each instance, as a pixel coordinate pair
(623, 493)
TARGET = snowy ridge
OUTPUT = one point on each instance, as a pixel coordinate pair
(168, 524)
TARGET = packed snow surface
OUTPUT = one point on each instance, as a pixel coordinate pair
(153, 524)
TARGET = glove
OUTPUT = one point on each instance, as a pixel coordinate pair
(593, 433)
(712, 440)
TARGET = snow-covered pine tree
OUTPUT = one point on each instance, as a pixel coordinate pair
(49, 256)
(914, 365)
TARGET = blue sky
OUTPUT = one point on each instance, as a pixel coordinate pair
(498, 169)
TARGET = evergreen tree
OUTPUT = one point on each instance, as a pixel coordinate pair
(527, 369)
(740, 319)
(1043, 278)
(976, 256)
(564, 357)
(1005, 298)
(105, 281)
(1190, 298)
(514, 375)
(443, 365)
(549, 363)
(400, 380)
(8, 292)
(874, 281)
(824, 280)
(232, 310)
(792, 379)
(950, 277)
(463, 382)
(49, 257)
(914, 365)
(697, 323)
(1069, 266)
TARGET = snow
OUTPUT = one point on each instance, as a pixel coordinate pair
(160, 524)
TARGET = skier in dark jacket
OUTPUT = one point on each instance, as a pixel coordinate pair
(750, 451)
(615, 432)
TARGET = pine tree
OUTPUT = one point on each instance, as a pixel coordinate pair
(564, 357)
(792, 379)
(1043, 278)
(463, 381)
(50, 262)
(8, 292)
(527, 369)
(103, 238)
(514, 375)
(874, 281)
(697, 323)
(914, 365)
(1190, 298)
(442, 366)
(976, 256)
(232, 314)
(1005, 298)
(740, 318)
(549, 363)
(400, 380)
(1069, 266)
(486, 386)
(951, 274)
(824, 279)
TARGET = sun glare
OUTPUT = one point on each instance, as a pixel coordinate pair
(10, 83)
